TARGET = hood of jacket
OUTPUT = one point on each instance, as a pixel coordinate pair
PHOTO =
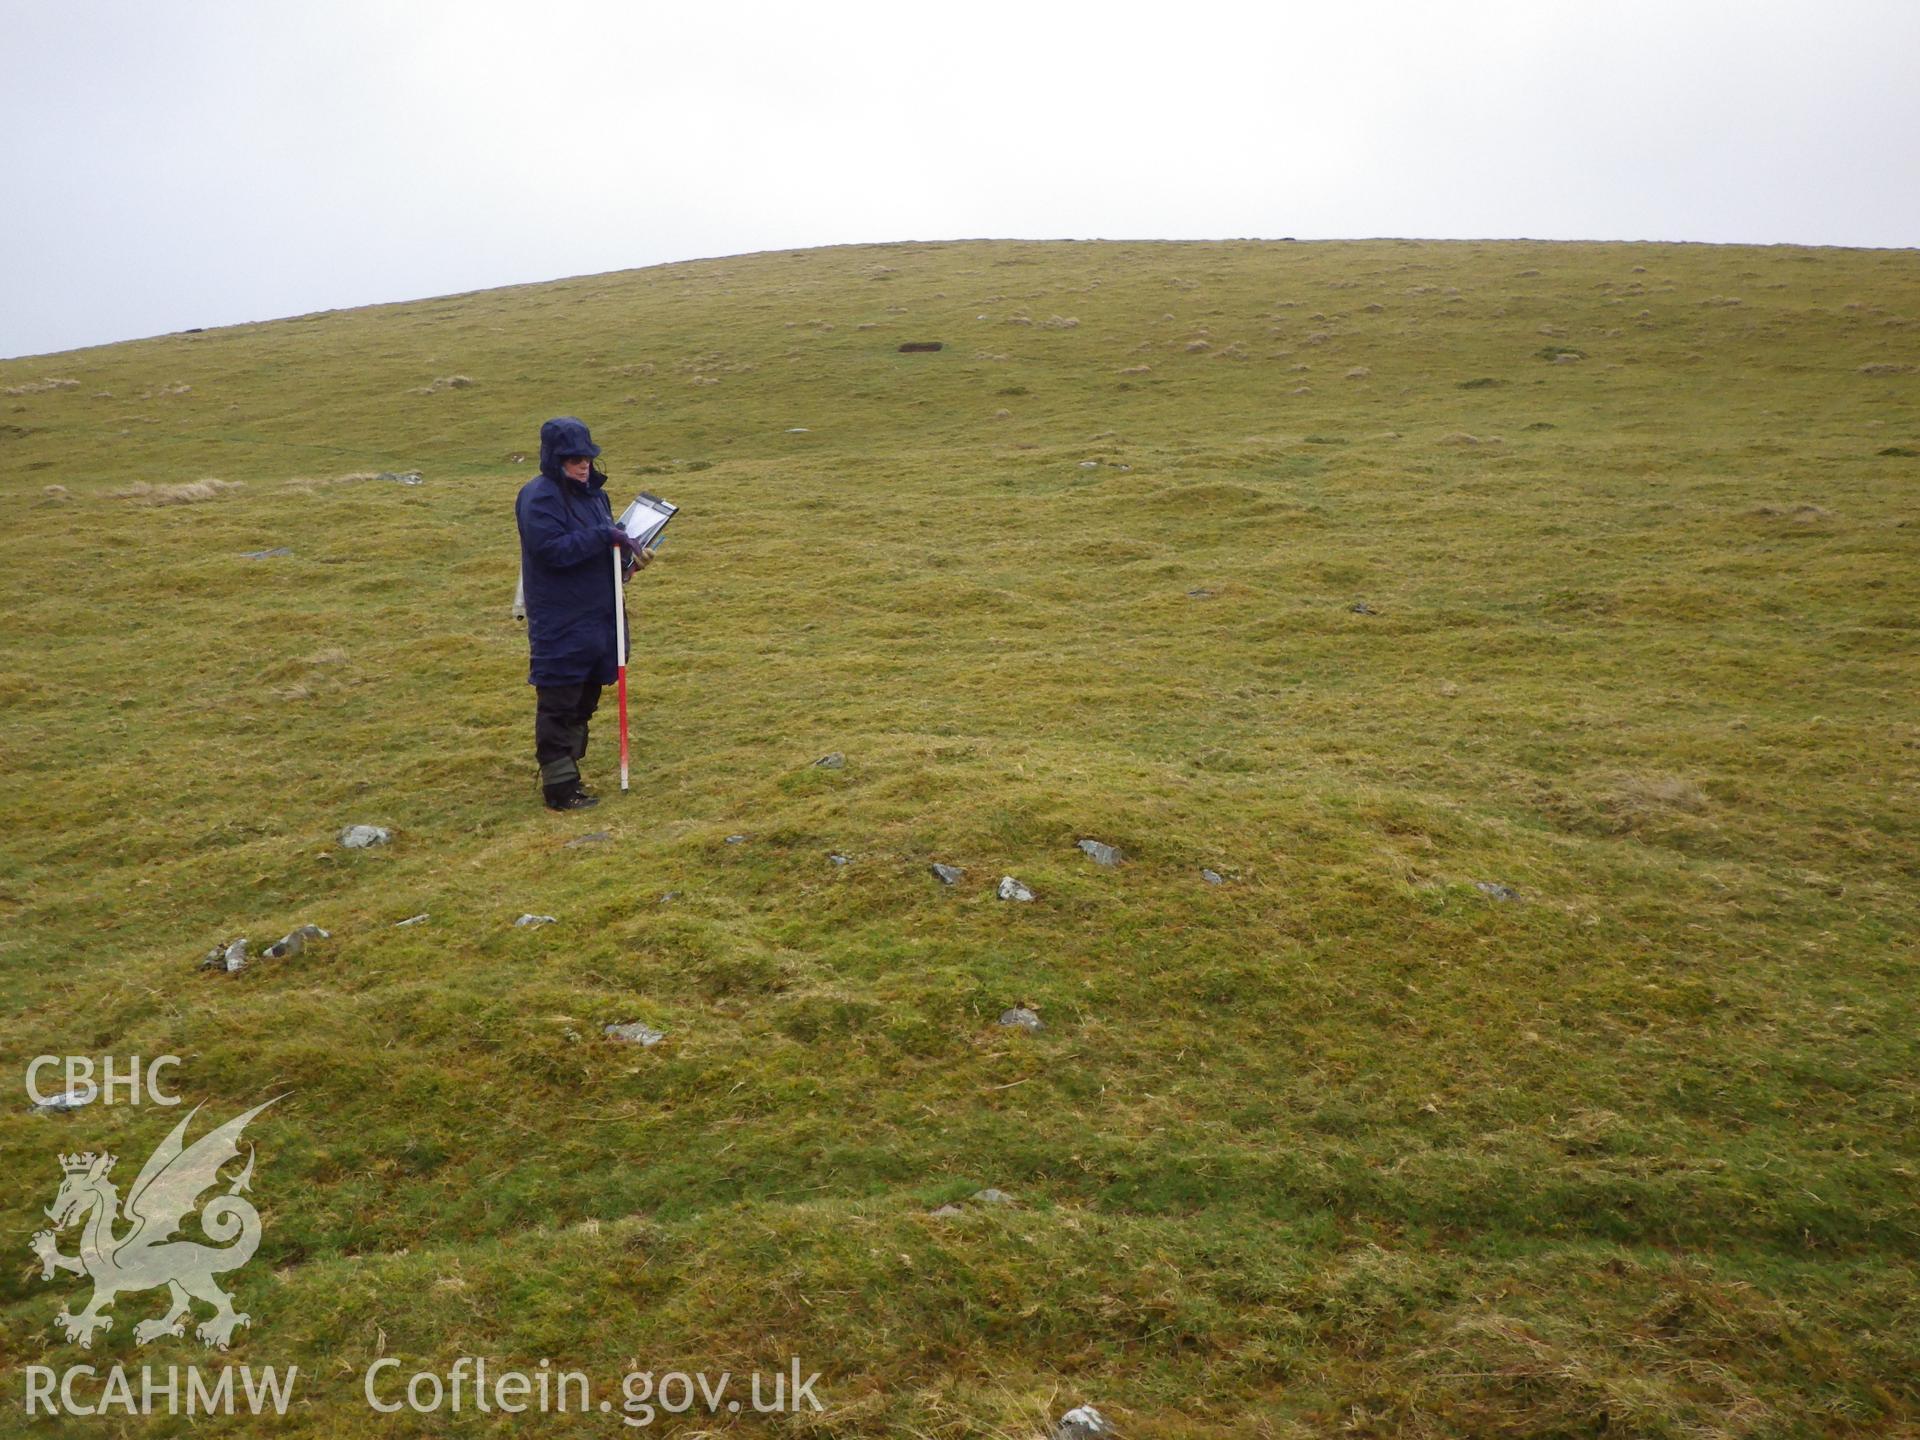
(562, 436)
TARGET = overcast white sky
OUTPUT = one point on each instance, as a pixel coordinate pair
(204, 162)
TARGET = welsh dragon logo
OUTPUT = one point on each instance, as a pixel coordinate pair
(166, 1192)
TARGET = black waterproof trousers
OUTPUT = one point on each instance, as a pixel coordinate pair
(560, 718)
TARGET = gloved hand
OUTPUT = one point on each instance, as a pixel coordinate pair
(620, 540)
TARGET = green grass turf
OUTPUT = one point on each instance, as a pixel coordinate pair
(1342, 1144)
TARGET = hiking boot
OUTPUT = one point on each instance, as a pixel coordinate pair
(570, 797)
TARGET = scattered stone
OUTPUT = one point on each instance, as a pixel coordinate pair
(1012, 889)
(230, 958)
(835, 761)
(837, 858)
(1099, 853)
(67, 1100)
(592, 837)
(921, 347)
(669, 897)
(946, 1212)
(1496, 890)
(1213, 877)
(1359, 372)
(736, 839)
(1020, 1017)
(634, 1032)
(1360, 607)
(274, 553)
(359, 837)
(1089, 464)
(410, 920)
(948, 874)
(402, 477)
(294, 942)
(531, 920)
(1083, 1422)
(994, 1197)
(1201, 593)
(798, 430)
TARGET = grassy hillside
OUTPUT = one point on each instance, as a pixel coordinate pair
(1359, 574)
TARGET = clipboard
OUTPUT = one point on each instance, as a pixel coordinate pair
(646, 518)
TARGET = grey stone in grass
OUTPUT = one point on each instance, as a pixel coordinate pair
(1213, 877)
(410, 920)
(1083, 1422)
(1099, 853)
(837, 858)
(1012, 889)
(1360, 607)
(1089, 464)
(1020, 1017)
(947, 874)
(946, 1212)
(272, 554)
(359, 837)
(1201, 593)
(994, 1197)
(529, 921)
(835, 761)
(592, 837)
(736, 839)
(798, 430)
(67, 1100)
(634, 1033)
(230, 958)
(294, 942)
(1493, 889)
(401, 477)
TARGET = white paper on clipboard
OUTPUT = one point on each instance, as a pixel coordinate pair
(645, 518)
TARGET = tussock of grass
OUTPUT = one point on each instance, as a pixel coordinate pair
(190, 492)
(1346, 1141)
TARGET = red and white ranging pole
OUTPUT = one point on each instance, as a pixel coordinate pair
(620, 649)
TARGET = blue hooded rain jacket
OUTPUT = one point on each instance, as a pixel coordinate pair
(566, 563)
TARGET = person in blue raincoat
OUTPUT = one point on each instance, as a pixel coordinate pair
(566, 531)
